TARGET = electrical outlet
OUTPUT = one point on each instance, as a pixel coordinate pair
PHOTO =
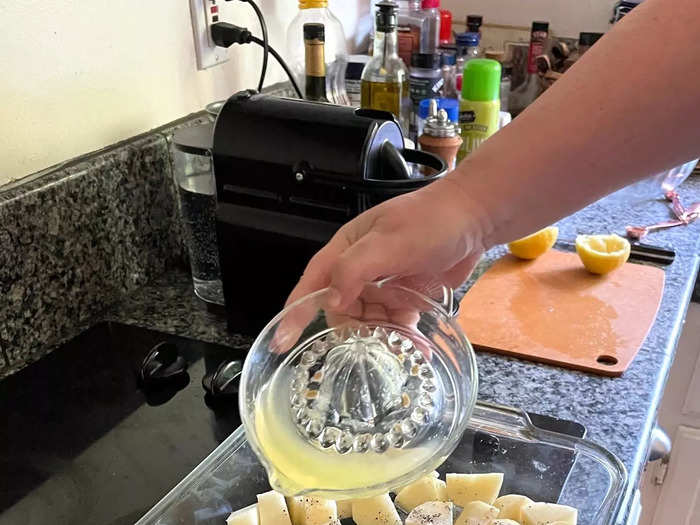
(204, 13)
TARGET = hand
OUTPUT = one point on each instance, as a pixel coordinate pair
(425, 238)
(379, 303)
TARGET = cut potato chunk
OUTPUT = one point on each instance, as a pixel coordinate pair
(476, 510)
(431, 513)
(539, 513)
(295, 506)
(503, 522)
(319, 511)
(246, 516)
(379, 510)
(441, 490)
(511, 506)
(465, 488)
(427, 488)
(307, 510)
(344, 508)
(272, 509)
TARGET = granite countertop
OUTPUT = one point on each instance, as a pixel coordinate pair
(618, 412)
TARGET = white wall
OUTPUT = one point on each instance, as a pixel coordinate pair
(77, 76)
(566, 17)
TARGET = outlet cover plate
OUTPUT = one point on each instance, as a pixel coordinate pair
(208, 54)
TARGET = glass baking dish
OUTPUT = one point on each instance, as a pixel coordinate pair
(541, 464)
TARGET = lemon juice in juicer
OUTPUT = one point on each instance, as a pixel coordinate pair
(358, 408)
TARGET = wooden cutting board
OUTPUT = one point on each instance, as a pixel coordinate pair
(552, 310)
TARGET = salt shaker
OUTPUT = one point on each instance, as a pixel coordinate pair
(440, 136)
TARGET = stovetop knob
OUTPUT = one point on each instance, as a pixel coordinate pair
(224, 381)
(162, 365)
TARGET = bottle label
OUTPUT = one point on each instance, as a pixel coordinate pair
(315, 63)
(422, 88)
(467, 117)
(479, 128)
(354, 90)
(408, 40)
(477, 122)
(537, 41)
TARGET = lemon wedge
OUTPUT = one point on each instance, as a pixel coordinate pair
(602, 254)
(534, 245)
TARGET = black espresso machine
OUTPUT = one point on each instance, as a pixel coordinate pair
(289, 173)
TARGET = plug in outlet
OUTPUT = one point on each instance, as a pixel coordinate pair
(204, 13)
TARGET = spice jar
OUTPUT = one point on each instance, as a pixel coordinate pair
(440, 136)
(450, 105)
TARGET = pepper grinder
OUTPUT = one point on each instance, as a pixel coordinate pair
(440, 136)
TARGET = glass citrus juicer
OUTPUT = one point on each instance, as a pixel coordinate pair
(356, 403)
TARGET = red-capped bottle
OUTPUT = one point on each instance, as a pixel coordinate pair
(445, 26)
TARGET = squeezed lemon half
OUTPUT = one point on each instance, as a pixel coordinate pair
(602, 254)
(534, 245)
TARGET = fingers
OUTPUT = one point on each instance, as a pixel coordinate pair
(404, 317)
(375, 312)
(370, 258)
(315, 277)
(350, 272)
(318, 271)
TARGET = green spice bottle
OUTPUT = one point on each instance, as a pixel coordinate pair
(480, 104)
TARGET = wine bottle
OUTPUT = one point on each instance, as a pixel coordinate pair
(314, 41)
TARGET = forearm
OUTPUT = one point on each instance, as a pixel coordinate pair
(629, 108)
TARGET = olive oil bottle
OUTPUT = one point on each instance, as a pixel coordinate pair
(385, 77)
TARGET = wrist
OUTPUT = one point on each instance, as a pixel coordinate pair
(472, 212)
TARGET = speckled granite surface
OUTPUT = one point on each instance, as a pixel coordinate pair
(618, 412)
(75, 238)
(78, 240)
(170, 305)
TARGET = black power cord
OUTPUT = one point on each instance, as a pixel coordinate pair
(282, 63)
(265, 43)
(224, 35)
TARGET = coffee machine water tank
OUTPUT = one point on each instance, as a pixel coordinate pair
(289, 173)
